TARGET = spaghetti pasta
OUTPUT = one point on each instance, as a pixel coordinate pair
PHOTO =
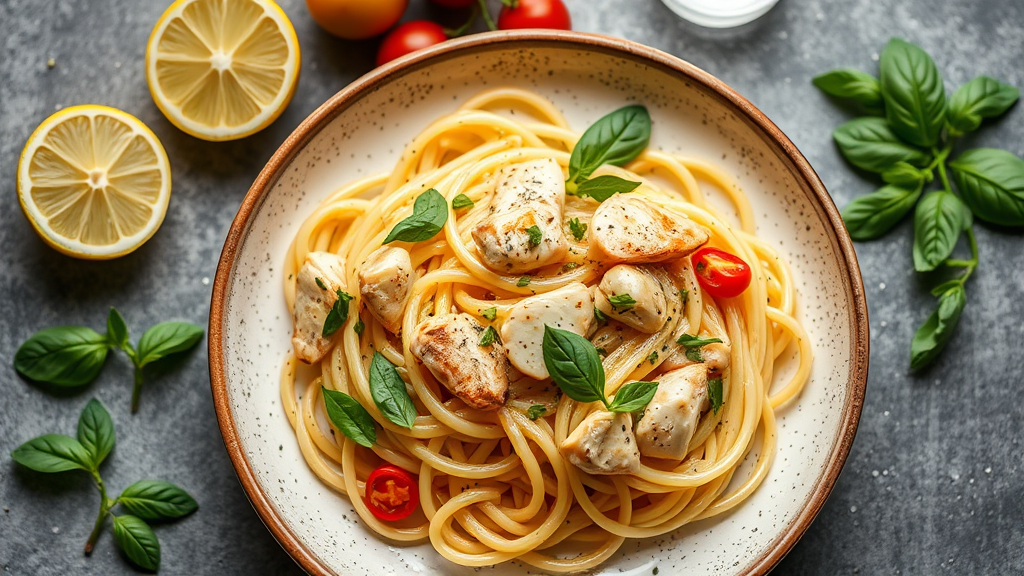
(494, 485)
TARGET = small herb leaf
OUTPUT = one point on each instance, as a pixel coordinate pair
(489, 337)
(980, 98)
(64, 355)
(574, 365)
(523, 281)
(536, 411)
(915, 98)
(429, 214)
(578, 229)
(633, 397)
(693, 345)
(652, 357)
(461, 201)
(715, 393)
(904, 174)
(604, 187)
(117, 330)
(167, 338)
(157, 500)
(96, 431)
(621, 302)
(350, 418)
(852, 84)
(137, 540)
(389, 393)
(338, 314)
(938, 221)
(869, 144)
(933, 335)
(320, 283)
(489, 313)
(536, 235)
(992, 184)
(359, 327)
(53, 453)
(599, 316)
(871, 216)
(614, 139)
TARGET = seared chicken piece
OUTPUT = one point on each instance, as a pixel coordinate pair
(313, 302)
(449, 346)
(670, 419)
(603, 444)
(530, 194)
(716, 358)
(384, 282)
(627, 228)
(648, 310)
(569, 308)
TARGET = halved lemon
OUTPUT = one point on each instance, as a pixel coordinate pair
(94, 182)
(222, 69)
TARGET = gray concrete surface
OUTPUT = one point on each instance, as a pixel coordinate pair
(934, 482)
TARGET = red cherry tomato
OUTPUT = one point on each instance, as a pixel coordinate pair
(535, 14)
(391, 493)
(455, 3)
(408, 38)
(722, 274)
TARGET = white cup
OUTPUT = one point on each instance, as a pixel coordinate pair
(720, 13)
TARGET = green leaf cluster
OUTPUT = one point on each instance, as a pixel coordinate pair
(907, 137)
(74, 355)
(143, 500)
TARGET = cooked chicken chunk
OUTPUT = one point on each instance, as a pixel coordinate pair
(384, 282)
(670, 419)
(313, 302)
(627, 228)
(633, 296)
(523, 230)
(715, 355)
(449, 346)
(569, 308)
(603, 444)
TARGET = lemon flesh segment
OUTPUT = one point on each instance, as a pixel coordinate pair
(94, 182)
(222, 69)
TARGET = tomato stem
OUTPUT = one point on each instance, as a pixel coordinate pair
(487, 15)
(454, 32)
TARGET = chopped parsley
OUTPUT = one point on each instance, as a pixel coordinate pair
(321, 284)
(359, 327)
(578, 229)
(653, 357)
(489, 337)
(715, 394)
(621, 301)
(693, 345)
(524, 281)
(535, 235)
(684, 294)
(536, 411)
(489, 313)
(599, 316)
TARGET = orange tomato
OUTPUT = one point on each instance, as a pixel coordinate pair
(356, 19)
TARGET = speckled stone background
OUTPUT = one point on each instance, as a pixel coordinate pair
(934, 483)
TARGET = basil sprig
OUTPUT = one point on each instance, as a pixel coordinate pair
(693, 344)
(144, 500)
(429, 214)
(909, 147)
(74, 355)
(615, 139)
(388, 391)
(350, 418)
(576, 368)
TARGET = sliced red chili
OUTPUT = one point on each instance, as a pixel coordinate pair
(721, 274)
(391, 493)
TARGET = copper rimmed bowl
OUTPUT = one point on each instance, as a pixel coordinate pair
(363, 128)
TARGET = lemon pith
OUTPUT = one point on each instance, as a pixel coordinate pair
(222, 69)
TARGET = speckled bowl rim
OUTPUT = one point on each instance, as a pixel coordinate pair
(311, 126)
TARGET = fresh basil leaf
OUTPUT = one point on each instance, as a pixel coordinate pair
(614, 139)
(868, 217)
(138, 542)
(523, 281)
(915, 98)
(536, 235)
(869, 144)
(167, 338)
(338, 314)
(938, 221)
(53, 453)
(350, 418)
(117, 330)
(935, 333)
(991, 182)
(693, 345)
(980, 98)
(489, 337)
(633, 397)
(652, 357)
(574, 365)
(578, 229)
(429, 214)
(715, 393)
(388, 391)
(461, 201)
(604, 187)
(599, 316)
(621, 302)
(96, 431)
(65, 356)
(904, 174)
(489, 313)
(157, 500)
(359, 327)
(853, 84)
(536, 411)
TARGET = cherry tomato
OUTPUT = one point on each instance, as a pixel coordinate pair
(391, 493)
(356, 19)
(535, 14)
(408, 38)
(722, 274)
(455, 3)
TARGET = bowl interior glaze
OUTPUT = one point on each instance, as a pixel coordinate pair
(363, 130)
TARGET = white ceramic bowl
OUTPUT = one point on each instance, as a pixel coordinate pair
(363, 129)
